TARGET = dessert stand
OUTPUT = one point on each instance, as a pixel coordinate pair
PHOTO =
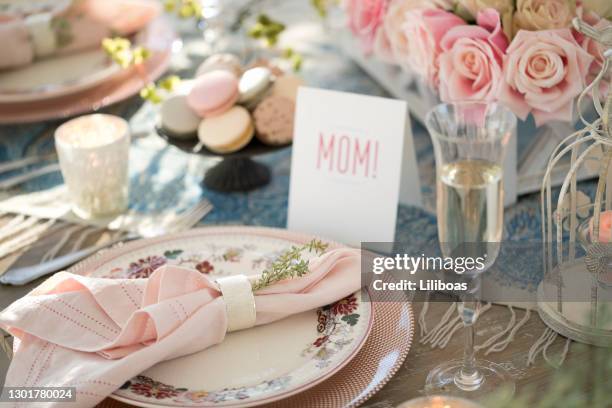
(236, 171)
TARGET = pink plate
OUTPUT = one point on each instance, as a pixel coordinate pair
(121, 86)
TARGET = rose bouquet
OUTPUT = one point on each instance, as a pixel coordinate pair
(522, 53)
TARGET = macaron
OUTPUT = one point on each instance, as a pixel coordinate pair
(228, 132)
(223, 62)
(213, 93)
(287, 86)
(177, 118)
(253, 85)
(274, 118)
(276, 70)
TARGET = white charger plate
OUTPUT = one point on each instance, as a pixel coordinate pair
(252, 366)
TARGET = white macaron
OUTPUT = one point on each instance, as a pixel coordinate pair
(177, 118)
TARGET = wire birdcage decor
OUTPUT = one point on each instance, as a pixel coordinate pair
(575, 296)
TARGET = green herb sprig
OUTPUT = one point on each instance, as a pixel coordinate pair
(290, 264)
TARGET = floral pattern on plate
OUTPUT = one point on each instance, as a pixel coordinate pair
(329, 336)
(334, 323)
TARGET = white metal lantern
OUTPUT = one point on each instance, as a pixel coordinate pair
(575, 297)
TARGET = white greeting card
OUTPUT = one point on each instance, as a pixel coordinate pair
(346, 166)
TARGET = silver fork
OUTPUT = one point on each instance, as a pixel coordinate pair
(161, 224)
(170, 222)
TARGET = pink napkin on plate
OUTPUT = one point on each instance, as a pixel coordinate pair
(95, 334)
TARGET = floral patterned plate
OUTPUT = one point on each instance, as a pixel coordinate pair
(252, 366)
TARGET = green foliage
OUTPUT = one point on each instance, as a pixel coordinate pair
(173, 254)
(584, 382)
(289, 264)
(267, 30)
(63, 31)
(351, 319)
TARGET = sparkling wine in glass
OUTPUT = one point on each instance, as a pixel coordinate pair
(470, 207)
(469, 141)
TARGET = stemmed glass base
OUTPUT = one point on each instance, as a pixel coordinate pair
(448, 379)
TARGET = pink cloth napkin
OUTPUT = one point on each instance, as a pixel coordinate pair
(94, 334)
(84, 26)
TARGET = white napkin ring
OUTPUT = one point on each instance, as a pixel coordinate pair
(41, 34)
(239, 302)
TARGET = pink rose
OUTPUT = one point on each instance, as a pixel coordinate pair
(382, 47)
(473, 7)
(424, 29)
(544, 71)
(365, 18)
(596, 50)
(544, 14)
(471, 66)
(394, 35)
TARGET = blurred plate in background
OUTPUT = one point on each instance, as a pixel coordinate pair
(105, 87)
(56, 76)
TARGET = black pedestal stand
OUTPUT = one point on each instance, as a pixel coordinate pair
(237, 174)
(237, 171)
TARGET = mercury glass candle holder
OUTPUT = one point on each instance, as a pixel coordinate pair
(93, 153)
(439, 401)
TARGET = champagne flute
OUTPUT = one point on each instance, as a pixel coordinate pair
(469, 142)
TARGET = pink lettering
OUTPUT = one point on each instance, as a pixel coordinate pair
(347, 154)
(344, 149)
(326, 153)
(361, 158)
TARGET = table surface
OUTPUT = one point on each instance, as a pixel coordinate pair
(324, 67)
(408, 382)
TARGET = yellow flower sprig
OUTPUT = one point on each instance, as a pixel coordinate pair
(320, 6)
(153, 92)
(121, 51)
(267, 30)
(294, 57)
(184, 8)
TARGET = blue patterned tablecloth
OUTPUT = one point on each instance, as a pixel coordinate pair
(164, 177)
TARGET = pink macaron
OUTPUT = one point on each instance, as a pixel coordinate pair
(213, 93)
